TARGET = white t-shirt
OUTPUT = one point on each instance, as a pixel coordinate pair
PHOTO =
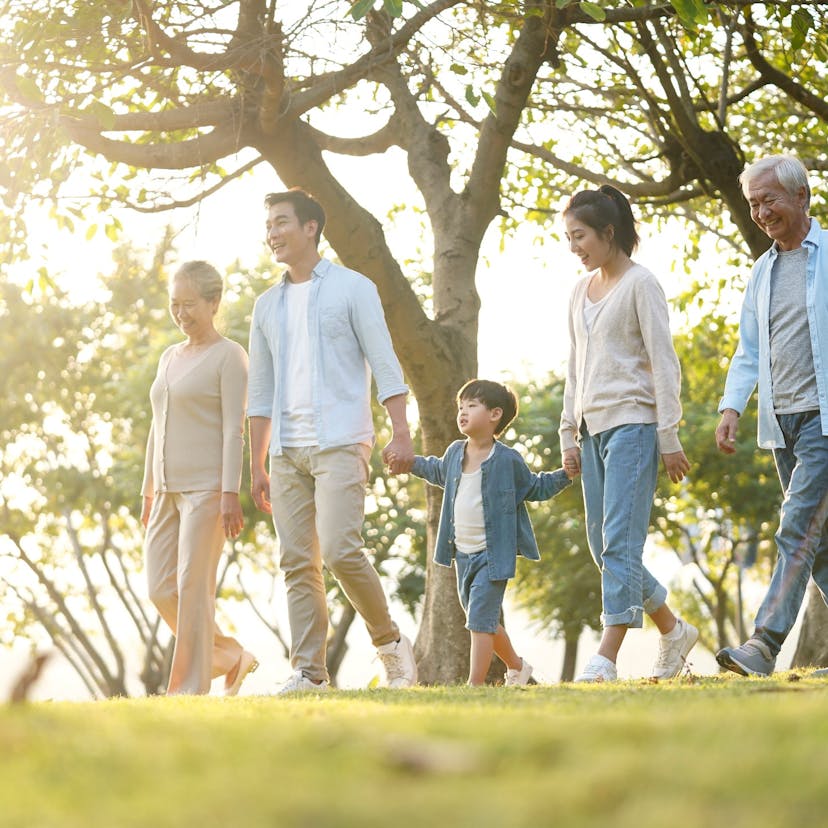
(297, 426)
(469, 525)
(591, 310)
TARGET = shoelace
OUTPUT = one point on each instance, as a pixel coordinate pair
(393, 665)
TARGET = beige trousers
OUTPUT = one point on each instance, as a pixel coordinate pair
(318, 500)
(182, 548)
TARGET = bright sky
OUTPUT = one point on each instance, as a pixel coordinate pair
(524, 289)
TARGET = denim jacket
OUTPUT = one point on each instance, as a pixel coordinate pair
(751, 362)
(349, 340)
(506, 483)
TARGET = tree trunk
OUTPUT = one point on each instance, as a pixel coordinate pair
(812, 647)
(570, 656)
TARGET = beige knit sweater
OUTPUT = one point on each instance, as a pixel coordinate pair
(625, 370)
(197, 434)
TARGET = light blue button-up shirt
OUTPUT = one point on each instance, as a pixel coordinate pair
(752, 363)
(349, 340)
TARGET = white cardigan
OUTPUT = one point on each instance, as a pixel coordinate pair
(625, 369)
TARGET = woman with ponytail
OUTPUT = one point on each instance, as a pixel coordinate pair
(621, 411)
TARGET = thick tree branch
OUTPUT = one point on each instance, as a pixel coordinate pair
(204, 149)
(772, 75)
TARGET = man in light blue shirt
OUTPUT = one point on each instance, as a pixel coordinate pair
(315, 339)
(783, 345)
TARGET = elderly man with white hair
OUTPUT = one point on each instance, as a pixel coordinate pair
(783, 345)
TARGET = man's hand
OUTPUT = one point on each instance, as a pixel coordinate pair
(260, 489)
(726, 431)
(676, 464)
(398, 455)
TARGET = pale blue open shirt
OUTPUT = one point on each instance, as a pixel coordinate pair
(349, 341)
(751, 362)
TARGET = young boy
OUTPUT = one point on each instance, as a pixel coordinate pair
(484, 524)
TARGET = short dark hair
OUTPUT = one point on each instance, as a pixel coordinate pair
(605, 207)
(492, 395)
(306, 207)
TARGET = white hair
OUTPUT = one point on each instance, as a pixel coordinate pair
(790, 172)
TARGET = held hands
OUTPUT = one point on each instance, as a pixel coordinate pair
(726, 431)
(398, 455)
(572, 462)
(676, 465)
(231, 514)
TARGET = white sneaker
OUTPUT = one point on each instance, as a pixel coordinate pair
(520, 677)
(300, 683)
(597, 669)
(672, 651)
(398, 660)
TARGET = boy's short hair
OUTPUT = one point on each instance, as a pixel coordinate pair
(492, 395)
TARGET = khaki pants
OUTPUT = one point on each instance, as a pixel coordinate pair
(318, 500)
(182, 548)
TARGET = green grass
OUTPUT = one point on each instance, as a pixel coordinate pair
(702, 752)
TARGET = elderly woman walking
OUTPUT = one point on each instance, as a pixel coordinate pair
(191, 482)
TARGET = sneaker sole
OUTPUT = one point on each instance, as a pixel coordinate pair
(726, 660)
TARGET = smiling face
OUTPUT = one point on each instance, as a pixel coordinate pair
(191, 312)
(781, 216)
(291, 241)
(475, 420)
(592, 248)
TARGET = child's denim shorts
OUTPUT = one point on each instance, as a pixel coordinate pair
(480, 598)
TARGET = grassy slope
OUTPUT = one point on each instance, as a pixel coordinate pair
(719, 751)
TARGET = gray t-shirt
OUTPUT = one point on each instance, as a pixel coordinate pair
(792, 360)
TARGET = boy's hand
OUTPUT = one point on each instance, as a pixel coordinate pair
(572, 462)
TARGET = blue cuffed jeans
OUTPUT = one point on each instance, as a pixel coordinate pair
(619, 468)
(802, 537)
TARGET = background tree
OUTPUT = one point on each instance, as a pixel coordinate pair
(562, 593)
(497, 108)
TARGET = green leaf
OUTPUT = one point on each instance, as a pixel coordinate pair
(102, 114)
(393, 7)
(28, 88)
(91, 231)
(691, 12)
(458, 69)
(360, 8)
(594, 11)
(471, 97)
(490, 102)
(801, 24)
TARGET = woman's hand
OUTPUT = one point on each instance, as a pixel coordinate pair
(676, 464)
(572, 462)
(231, 514)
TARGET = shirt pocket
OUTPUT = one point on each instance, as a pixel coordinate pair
(335, 322)
(506, 501)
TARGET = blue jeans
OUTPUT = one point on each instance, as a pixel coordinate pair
(619, 469)
(802, 539)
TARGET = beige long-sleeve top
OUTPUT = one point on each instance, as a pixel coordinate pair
(197, 435)
(625, 370)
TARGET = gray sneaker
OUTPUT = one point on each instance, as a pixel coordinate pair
(753, 658)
